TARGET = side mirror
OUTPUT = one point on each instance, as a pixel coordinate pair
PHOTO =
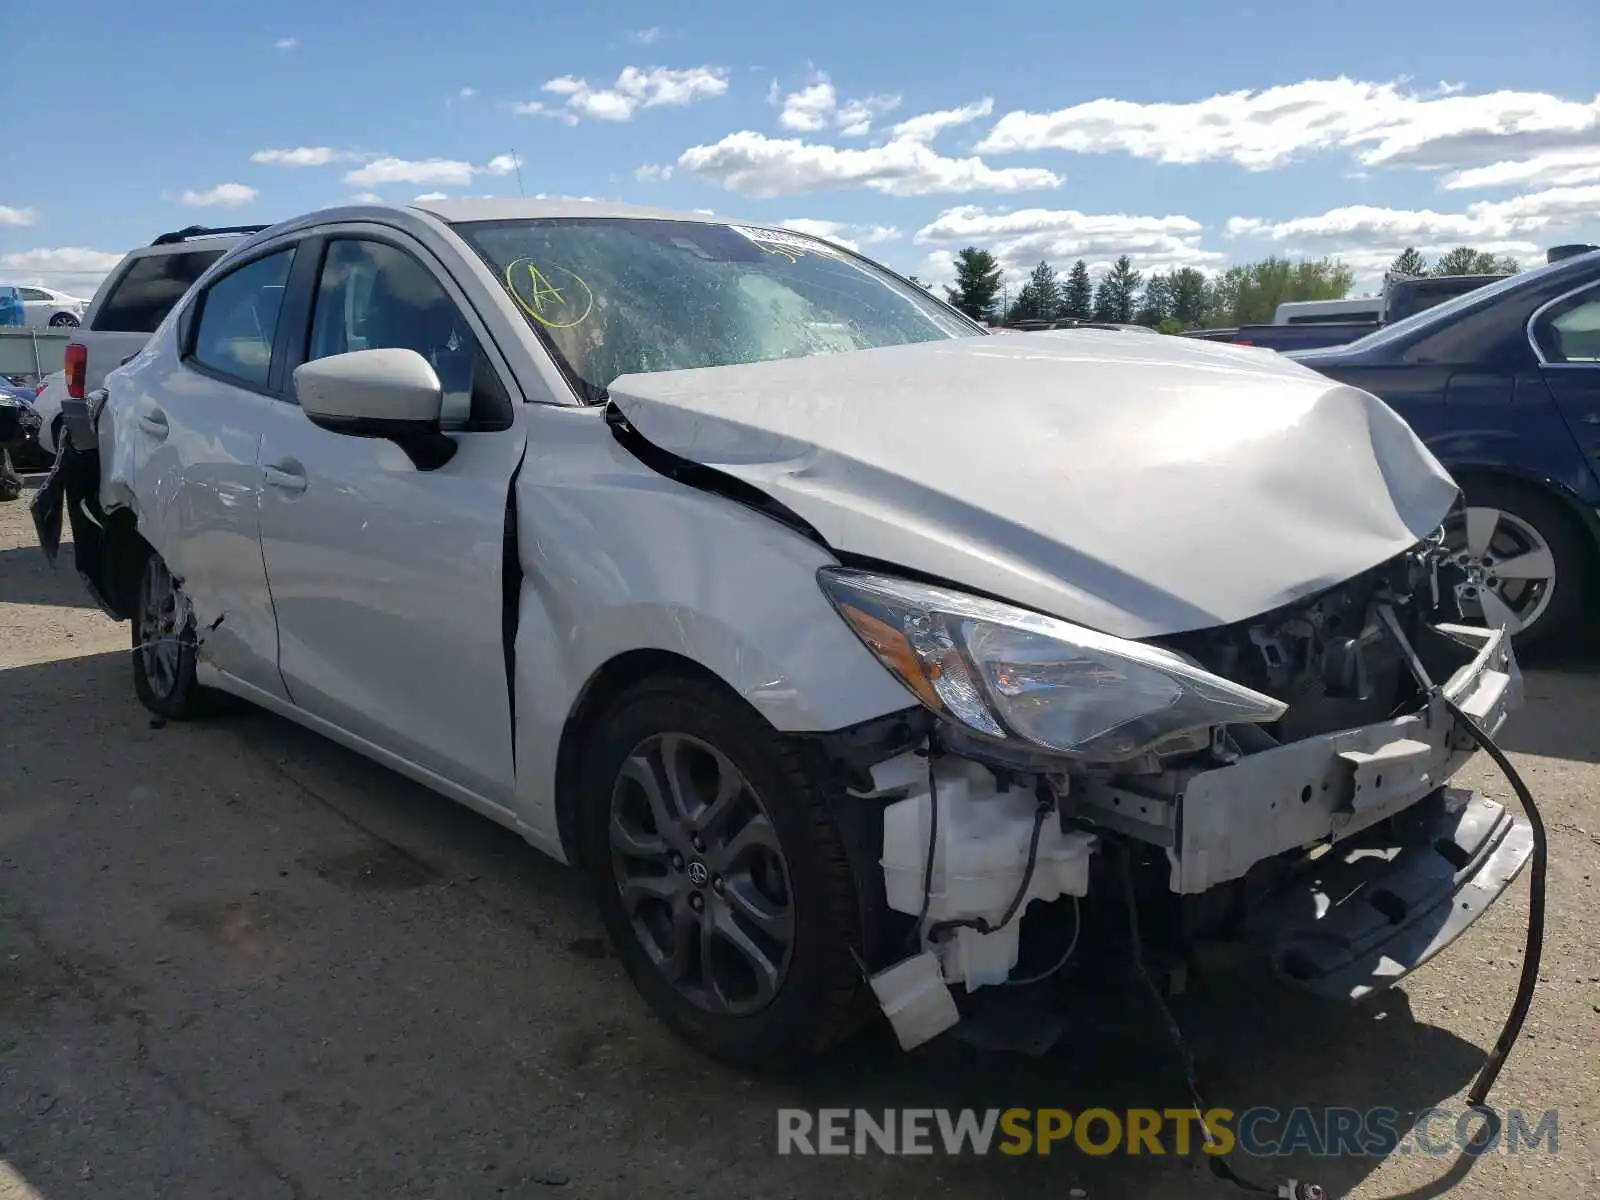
(390, 393)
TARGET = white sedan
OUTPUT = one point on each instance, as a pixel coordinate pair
(46, 307)
(825, 632)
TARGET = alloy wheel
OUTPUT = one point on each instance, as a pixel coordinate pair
(159, 627)
(1509, 569)
(702, 876)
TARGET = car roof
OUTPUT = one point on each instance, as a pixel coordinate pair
(522, 209)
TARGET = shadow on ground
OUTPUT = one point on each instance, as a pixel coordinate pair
(310, 971)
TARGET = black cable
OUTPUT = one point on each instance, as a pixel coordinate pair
(1220, 1167)
(1534, 945)
(933, 842)
(981, 924)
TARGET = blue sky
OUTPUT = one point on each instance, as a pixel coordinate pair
(1177, 132)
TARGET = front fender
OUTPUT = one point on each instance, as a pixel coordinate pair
(616, 558)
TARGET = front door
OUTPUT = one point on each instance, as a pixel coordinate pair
(387, 579)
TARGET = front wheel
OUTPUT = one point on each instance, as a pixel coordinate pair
(721, 876)
(1523, 559)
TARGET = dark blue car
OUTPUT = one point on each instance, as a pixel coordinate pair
(1503, 384)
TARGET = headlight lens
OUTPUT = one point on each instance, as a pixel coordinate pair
(1007, 672)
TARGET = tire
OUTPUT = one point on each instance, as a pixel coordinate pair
(64, 321)
(815, 997)
(11, 485)
(164, 646)
(1536, 531)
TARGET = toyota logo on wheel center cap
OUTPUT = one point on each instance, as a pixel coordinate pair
(699, 874)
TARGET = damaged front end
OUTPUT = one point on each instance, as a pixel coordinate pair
(1317, 830)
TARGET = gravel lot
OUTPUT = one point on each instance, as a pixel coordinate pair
(237, 961)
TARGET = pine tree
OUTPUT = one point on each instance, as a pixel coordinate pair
(1077, 297)
(1040, 297)
(977, 283)
(1118, 293)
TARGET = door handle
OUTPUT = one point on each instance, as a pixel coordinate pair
(284, 480)
(154, 423)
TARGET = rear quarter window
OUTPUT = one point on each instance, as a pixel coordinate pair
(144, 294)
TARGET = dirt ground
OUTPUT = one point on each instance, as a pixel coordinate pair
(237, 961)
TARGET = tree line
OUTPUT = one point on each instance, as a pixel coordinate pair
(1183, 297)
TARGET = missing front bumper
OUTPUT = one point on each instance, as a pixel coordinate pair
(1375, 908)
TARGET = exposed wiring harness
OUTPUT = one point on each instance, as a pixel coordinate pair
(1043, 809)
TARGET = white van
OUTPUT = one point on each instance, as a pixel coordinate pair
(1325, 312)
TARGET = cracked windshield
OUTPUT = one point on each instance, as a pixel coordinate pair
(615, 297)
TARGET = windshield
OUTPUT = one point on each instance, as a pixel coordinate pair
(1443, 311)
(614, 296)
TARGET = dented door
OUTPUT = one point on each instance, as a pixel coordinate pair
(387, 584)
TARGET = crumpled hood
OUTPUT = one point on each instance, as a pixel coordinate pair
(1140, 485)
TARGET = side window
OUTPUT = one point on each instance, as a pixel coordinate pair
(239, 319)
(34, 294)
(144, 294)
(1569, 332)
(373, 296)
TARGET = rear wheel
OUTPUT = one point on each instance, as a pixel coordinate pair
(64, 321)
(164, 646)
(720, 875)
(1525, 562)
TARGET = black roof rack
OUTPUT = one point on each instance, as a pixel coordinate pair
(194, 231)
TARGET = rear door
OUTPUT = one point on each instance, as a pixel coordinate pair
(387, 579)
(1566, 337)
(196, 422)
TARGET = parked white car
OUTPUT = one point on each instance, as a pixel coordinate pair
(826, 632)
(46, 307)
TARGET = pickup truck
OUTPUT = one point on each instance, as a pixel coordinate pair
(1308, 336)
(133, 301)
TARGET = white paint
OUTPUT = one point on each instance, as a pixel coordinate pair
(1138, 486)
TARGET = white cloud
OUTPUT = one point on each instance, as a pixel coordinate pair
(1377, 122)
(817, 106)
(653, 173)
(303, 156)
(1485, 221)
(1020, 239)
(444, 172)
(72, 269)
(646, 37)
(366, 198)
(635, 88)
(287, 43)
(927, 126)
(851, 237)
(756, 165)
(1555, 168)
(224, 195)
(17, 216)
(426, 196)
(467, 93)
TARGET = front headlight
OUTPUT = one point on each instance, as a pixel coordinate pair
(1007, 672)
